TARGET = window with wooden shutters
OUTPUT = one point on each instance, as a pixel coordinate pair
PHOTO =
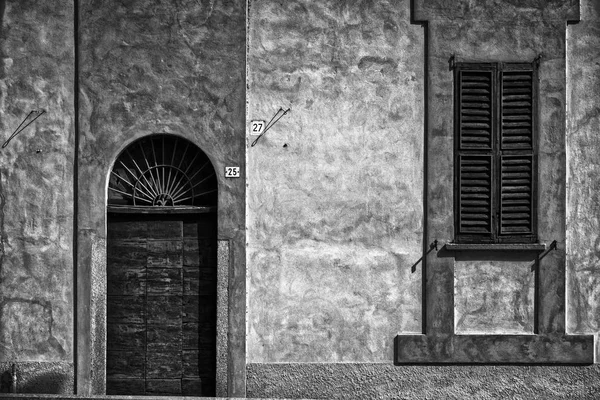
(495, 153)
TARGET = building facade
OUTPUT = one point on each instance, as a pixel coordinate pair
(418, 220)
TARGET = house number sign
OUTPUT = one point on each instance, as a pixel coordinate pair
(232, 172)
(257, 127)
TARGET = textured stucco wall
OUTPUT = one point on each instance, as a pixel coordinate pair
(36, 187)
(583, 161)
(335, 188)
(158, 67)
(490, 300)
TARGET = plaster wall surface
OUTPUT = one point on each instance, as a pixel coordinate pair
(583, 163)
(36, 187)
(490, 300)
(335, 188)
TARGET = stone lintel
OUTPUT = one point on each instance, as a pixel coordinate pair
(490, 10)
(494, 349)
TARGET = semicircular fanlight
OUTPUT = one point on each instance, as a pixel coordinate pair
(162, 171)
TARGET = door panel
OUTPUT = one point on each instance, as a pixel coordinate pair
(161, 304)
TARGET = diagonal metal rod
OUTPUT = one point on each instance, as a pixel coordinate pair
(197, 183)
(128, 194)
(192, 177)
(198, 195)
(269, 125)
(177, 179)
(149, 188)
(190, 180)
(171, 169)
(19, 129)
(159, 187)
(177, 183)
(163, 163)
(148, 165)
(133, 175)
(121, 178)
(433, 245)
(141, 175)
(197, 172)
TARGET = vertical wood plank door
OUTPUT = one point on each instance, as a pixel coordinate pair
(161, 304)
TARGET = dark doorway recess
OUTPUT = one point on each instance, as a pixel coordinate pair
(161, 270)
(161, 304)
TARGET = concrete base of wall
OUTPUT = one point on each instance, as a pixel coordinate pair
(386, 381)
(41, 377)
(69, 397)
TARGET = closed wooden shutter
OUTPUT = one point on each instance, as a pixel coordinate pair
(517, 157)
(475, 195)
(495, 158)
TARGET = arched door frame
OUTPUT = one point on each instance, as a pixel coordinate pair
(90, 298)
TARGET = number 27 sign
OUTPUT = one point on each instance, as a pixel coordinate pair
(257, 127)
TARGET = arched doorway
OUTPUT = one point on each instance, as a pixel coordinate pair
(161, 270)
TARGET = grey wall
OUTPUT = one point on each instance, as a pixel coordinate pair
(335, 188)
(36, 191)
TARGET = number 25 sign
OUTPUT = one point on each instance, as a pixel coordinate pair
(232, 172)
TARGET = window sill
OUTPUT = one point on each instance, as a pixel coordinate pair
(538, 247)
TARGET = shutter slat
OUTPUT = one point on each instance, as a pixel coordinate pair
(516, 214)
(475, 116)
(517, 76)
(517, 88)
(476, 112)
(517, 117)
(475, 200)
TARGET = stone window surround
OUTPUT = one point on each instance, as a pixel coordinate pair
(549, 343)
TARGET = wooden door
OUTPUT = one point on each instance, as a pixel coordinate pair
(161, 304)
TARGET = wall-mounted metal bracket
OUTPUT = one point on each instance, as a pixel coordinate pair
(553, 246)
(538, 59)
(433, 245)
